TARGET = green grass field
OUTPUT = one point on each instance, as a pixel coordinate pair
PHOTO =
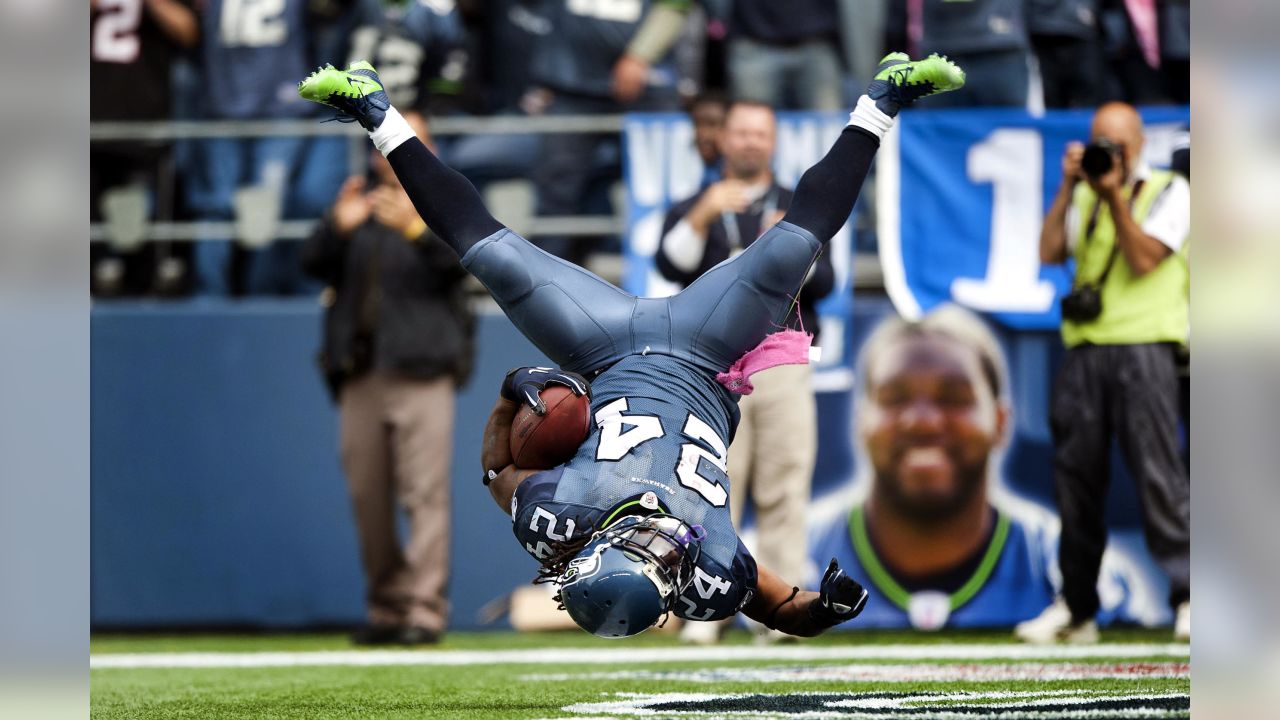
(1133, 673)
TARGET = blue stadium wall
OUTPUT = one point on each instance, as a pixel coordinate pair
(218, 499)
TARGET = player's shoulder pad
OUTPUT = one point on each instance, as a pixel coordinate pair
(540, 523)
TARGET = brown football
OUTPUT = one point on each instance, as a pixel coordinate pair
(540, 442)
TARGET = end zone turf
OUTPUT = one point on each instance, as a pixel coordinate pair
(572, 676)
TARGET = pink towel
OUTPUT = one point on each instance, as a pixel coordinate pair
(788, 347)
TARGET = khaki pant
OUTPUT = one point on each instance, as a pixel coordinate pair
(771, 461)
(396, 437)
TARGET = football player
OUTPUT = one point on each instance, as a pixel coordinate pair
(637, 524)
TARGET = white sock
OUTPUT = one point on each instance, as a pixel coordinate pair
(870, 118)
(393, 131)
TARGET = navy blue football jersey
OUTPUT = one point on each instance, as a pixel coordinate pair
(254, 51)
(411, 45)
(587, 38)
(659, 441)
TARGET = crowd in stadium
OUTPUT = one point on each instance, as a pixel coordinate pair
(218, 60)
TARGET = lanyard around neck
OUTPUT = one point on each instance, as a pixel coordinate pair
(730, 220)
(899, 595)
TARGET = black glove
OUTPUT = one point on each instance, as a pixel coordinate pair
(523, 384)
(840, 598)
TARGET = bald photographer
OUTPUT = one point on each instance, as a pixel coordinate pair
(1126, 225)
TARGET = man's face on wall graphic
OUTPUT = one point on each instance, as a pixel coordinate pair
(930, 422)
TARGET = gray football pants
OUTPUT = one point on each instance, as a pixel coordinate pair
(586, 324)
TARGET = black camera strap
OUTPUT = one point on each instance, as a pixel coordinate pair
(1115, 244)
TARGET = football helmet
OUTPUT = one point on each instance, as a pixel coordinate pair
(629, 575)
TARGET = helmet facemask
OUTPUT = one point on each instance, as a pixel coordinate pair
(628, 576)
(668, 545)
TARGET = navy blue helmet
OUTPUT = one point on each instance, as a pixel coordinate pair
(630, 574)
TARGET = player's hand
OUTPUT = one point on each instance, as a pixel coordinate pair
(1071, 172)
(393, 208)
(630, 75)
(523, 384)
(840, 598)
(352, 207)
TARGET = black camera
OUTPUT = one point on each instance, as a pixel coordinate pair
(1082, 304)
(1099, 157)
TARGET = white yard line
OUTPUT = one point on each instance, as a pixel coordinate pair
(892, 673)
(631, 656)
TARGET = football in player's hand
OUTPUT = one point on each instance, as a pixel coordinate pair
(545, 441)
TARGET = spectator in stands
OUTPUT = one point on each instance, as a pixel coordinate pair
(419, 49)
(1148, 48)
(929, 520)
(397, 343)
(988, 38)
(773, 452)
(1068, 45)
(503, 34)
(252, 55)
(862, 35)
(1126, 226)
(707, 111)
(599, 58)
(131, 48)
(786, 55)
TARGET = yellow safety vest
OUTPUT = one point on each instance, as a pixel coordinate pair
(1147, 309)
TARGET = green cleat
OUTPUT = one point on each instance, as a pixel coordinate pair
(900, 81)
(356, 93)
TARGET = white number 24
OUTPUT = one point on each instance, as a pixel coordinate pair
(615, 442)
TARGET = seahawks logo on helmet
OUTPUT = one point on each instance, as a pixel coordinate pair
(583, 566)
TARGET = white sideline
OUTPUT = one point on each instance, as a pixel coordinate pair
(631, 656)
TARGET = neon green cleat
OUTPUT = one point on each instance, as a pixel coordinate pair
(356, 93)
(900, 81)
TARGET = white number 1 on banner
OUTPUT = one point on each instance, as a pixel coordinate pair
(1012, 160)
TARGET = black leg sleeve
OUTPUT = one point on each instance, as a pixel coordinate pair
(827, 191)
(447, 201)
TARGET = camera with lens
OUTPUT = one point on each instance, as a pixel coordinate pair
(1099, 157)
(1082, 304)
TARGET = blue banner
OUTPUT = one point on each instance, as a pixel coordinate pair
(960, 199)
(662, 168)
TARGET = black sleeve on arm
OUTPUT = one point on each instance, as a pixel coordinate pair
(826, 193)
(446, 200)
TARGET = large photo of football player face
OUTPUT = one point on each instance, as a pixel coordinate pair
(931, 419)
(928, 517)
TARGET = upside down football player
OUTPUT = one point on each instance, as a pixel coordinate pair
(636, 525)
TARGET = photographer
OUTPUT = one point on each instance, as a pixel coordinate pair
(1126, 226)
(397, 344)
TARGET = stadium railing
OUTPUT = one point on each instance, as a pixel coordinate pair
(867, 274)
